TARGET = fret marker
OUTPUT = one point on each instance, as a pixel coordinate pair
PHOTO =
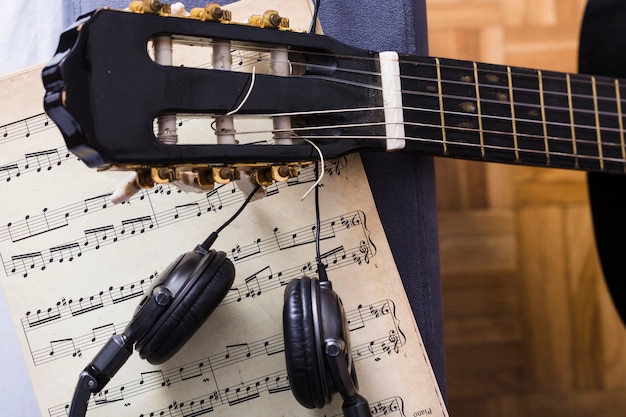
(392, 100)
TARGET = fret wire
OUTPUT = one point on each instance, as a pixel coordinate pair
(571, 116)
(530, 105)
(478, 108)
(543, 116)
(513, 121)
(441, 109)
(502, 72)
(597, 116)
(604, 80)
(420, 109)
(468, 145)
(619, 119)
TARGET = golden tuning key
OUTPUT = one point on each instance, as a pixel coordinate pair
(212, 12)
(150, 6)
(270, 20)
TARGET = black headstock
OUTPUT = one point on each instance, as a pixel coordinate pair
(107, 94)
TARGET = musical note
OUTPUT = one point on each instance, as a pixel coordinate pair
(122, 294)
(85, 305)
(152, 379)
(51, 314)
(99, 202)
(22, 128)
(63, 347)
(100, 234)
(239, 253)
(277, 384)
(138, 223)
(66, 309)
(240, 394)
(25, 262)
(192, 372)
(107, 397)
(36, 225)
(185, 211)
(60, 253)
(273, 347)
(103, 332)
(214, 200)
(43, 159)
(356, 323)
(305, 235)
(236, 353)
(5, 172)
(333, 256)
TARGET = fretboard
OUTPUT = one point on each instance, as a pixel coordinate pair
(513, 115)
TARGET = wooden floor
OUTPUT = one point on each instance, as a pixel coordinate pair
(529, 327)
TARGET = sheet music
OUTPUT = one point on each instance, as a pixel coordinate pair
(74, 267)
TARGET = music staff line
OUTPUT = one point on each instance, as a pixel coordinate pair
(255, 285)
(128, 228)
(35, 162)
(25, 128)
(204, 368)
(52, 219)
(74, 346)
(392, 406)
(67, 309)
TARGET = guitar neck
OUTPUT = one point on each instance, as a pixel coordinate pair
(513, 115)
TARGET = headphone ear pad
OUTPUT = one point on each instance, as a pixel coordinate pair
(301, 350)
(185, 318)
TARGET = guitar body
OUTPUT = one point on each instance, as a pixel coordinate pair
(602, 46)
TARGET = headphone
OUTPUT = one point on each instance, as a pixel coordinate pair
(317, 348)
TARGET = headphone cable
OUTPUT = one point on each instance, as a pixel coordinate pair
(321, 268)
(213, 236)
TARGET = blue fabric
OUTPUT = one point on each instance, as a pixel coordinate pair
(406, 203)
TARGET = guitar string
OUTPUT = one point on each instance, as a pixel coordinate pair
(505, 104)
(599, 81)
(254, 58)
(448, 63)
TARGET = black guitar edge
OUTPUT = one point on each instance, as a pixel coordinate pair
(602, 46)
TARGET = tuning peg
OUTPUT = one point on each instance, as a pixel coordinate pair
(270, 19)
(211, 11)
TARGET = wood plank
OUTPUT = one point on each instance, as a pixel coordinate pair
(577, 404)
(491, 328)
(486, 369)
(546, 303)
(486, 301)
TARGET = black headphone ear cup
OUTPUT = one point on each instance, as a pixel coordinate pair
(178, 325)
(301, 349)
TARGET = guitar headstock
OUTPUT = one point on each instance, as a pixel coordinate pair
(161, 91)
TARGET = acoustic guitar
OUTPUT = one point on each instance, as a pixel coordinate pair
(112, 101)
